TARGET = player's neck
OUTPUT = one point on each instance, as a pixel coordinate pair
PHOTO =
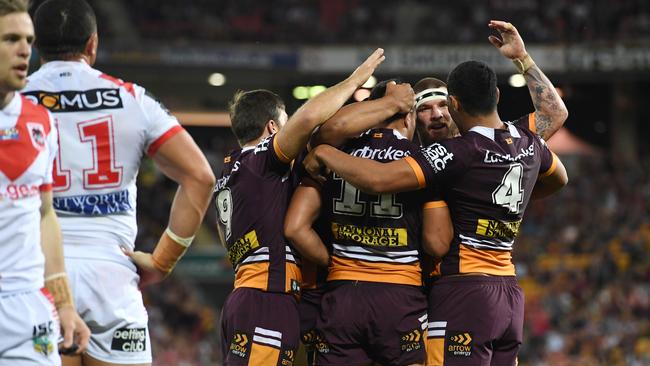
(253, 143)
(491, 120)
(5, 98)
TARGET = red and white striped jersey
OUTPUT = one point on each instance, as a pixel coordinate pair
(105, 127)
(28, 144)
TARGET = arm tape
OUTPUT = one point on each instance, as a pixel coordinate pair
(57, 284)
(169, 251)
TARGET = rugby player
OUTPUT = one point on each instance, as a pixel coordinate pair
(373, 309)
(31, 253)
(487, 176)
(105, 126)
(260, 322)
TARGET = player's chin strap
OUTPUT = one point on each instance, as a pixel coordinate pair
(430, 94)
(169, 250)
(57, 284)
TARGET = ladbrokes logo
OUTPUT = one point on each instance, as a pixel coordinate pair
(239, 345)
(412, 341)
(77, 101)
(130, 340)
(459, 344)
(389, 153)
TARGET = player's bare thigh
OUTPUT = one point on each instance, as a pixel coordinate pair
(87, 360)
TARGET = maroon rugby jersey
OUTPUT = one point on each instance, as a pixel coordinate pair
(375, 238)
(486, 177)
(252, 198)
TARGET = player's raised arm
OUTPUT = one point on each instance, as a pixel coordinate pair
(365, 174)
(75, 332)
(180, 159)
(551, 181)
(356, 118)
(293, 137)
(303, 211)
(550, 111)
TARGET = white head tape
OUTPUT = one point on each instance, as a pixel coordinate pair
(430, 94)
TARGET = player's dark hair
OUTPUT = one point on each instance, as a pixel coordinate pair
(379, 91)
(474, 83)
(428, 83)
(12, 6)
(63, 27)
(250, 111)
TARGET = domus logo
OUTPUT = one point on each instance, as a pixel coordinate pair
(77, 101)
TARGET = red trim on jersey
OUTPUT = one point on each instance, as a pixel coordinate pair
(45, 187)
(153, 148)
(47, 294)
(119, 82)
(17, 155)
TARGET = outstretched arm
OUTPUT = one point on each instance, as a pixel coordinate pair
(550, 111)
(303, 211)
(293, 137)
(367, 175)
(356, 118)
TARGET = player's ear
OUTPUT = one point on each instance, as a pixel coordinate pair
(91, 47)
(271, 127)
(498, 94)
(454, 103)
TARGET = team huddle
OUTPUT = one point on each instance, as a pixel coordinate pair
(375, 232)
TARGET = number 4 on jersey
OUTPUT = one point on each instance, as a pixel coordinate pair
(510, 193)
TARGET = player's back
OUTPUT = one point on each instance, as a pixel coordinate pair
(105, 127)
(375, 238)
(252, 198)
(487, 177)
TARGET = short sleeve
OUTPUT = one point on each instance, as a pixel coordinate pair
(433, 198)
(52, 150)
(161, 124)
(526, 122)
(437, 163)
(272, 156)
(548, 160)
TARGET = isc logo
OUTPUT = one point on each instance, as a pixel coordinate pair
(77, 101)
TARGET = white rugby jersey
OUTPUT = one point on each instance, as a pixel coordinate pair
(105, 127)
(28, 144)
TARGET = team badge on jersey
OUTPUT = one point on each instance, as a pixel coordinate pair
(459, 344)
(37, 135)
(41, 340)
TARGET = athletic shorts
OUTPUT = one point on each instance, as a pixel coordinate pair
(475, 320)
(29, 329)
(309, 309)
(259, 328)
(109, 301)
(364, 322)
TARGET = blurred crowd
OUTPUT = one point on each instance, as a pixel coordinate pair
(372, 21)
(583, 259)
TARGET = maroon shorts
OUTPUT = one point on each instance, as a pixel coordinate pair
(259, 328)
(364, 322)
(309, 310)
(475, 320)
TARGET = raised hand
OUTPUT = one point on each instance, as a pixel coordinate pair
(403, 95)
(314, 167)
(511, 45)
(365, 70)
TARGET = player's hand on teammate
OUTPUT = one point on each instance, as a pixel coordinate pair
(403, 95)
(365, 70)
(511, 45)
(148, 272)
(75, 332)
(314, 166)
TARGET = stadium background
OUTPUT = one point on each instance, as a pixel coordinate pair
(584, 255)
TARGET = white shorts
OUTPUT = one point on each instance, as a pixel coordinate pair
(109, 301)
(29, 329)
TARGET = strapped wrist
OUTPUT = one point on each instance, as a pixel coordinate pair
(523, 64)
(58, 286)
(169, 250)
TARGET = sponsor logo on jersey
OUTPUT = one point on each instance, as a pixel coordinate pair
(389, 153)
(129, 340)
(412, 341)
(242, 246)
(376, 236)
(37, 135)
(94, 204)
(459, 344)
(498, 229)
(9, 134)
(240, 345)
(41, 338)
(77, 101)
(18, 191)
(492, 157)
(437, 156)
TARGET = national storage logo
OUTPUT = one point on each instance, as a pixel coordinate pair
(77, 101)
